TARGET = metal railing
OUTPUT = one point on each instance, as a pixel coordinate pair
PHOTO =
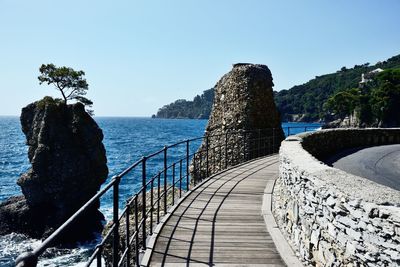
(160, 190)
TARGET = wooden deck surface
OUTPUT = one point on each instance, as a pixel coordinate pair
(220, 223)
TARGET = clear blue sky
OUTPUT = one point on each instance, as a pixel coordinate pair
(140, 55)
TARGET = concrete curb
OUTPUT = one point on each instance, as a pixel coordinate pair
(283, 247)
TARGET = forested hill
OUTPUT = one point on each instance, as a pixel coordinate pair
(299, 103)
(305, 102)
(198, 108)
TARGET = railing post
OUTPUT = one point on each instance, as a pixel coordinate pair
(273, 140)
(180, 178)
(158, 197)
(207, 155)
(235, 150)
(214, 160)
(195, 170)
(220, 157)
(259, 144)
(98, 259)
(115, 220)
(226, 149)
(200, 163)
(151, 205)
(288, 131)
(173, 183)
(187, 165)
(127, 233)
(211, 159)
(244, 146)
(165, 179)
(137, 232)
(144, 201)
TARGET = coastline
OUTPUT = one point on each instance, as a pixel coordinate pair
(126, 139)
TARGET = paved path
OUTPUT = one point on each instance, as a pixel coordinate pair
(380, 164)
(220, 223)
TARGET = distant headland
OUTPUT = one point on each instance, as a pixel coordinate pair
(313, 101)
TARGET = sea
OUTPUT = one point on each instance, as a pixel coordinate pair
(126, 140)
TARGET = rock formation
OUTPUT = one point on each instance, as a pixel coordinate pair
(352, 121)
(68, 166)
(243, 116)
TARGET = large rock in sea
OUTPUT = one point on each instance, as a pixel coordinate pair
(243, 101)
(69, 165)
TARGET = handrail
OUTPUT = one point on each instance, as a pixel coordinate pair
(246, 144)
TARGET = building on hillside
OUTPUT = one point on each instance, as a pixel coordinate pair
(367, 77)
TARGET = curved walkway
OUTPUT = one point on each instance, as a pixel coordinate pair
(220, 223)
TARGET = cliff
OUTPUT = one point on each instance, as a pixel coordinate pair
(198, 108)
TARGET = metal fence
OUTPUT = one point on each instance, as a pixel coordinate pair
(125, 238)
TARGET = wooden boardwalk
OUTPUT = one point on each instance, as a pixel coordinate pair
(221, 223)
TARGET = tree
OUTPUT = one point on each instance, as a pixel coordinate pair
(70, 83)
(376, 103)
(343, 103)
(385, 99)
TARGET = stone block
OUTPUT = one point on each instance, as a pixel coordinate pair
(315, 234)
(388, 229)
(350, 249)
(393, 254)
(332, 230)
(356, 235)
(346, 221)
(330, 201)
(342, 239)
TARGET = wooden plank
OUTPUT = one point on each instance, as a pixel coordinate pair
(221, 222)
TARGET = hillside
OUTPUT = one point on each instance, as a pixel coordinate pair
(305, 102)
(198, 108)
(299, 103)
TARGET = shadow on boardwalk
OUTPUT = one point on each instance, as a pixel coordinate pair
(220, 223)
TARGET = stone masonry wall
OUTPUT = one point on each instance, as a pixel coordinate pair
(330, 217)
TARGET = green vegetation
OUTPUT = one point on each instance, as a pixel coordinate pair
(385, 98)
(343, 103)
(375, 103)
(199, 108)
(48, 101)
(309, 102)
(71, 84)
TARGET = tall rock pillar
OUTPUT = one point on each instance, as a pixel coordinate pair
(69, 165)
(244, 121)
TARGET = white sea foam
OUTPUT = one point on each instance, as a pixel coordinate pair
(12, 245)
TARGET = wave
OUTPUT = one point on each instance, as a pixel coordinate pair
(12, 245)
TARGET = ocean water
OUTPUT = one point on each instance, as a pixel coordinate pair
(126, 140)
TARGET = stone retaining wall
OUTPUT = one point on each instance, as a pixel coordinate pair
(330, 217)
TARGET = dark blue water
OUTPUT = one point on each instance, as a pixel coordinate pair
(126, 140)
(13, 156)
